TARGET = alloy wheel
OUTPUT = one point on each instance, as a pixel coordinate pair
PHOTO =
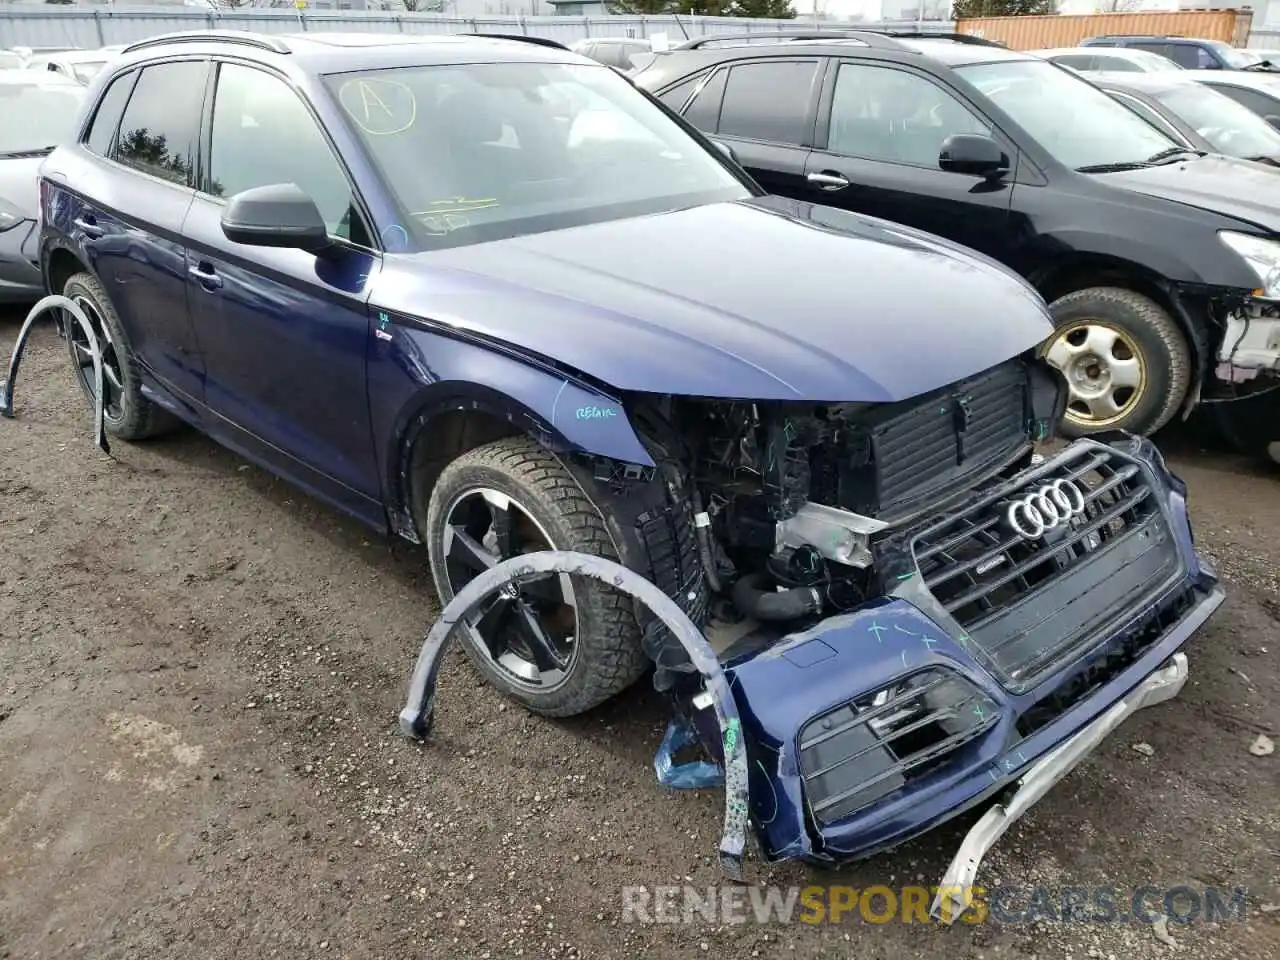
(1105, 372)
(82, 355)
(528, 630)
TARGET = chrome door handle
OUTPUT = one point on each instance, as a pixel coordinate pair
(828, 181)
(206, 278)
(89, 227)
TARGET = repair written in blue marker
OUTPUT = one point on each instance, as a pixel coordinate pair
(595, 413)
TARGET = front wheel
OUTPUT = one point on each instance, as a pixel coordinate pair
(559, 645)
(1125, 360)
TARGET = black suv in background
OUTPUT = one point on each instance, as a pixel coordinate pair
(1161, 264)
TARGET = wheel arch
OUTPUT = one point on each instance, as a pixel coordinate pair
(60, 265)
(1082, 270)
(447, 419)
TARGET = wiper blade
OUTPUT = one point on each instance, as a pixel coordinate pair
(1111, 167)
(1173, 152)
(1265, 158)
(25, 154)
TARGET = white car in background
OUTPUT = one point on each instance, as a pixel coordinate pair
(1108, 59)
(80, 65)
(613, 52)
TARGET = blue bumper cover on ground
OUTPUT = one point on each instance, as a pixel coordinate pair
(796, 697)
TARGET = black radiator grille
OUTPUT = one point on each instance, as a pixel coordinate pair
(1026, 604)
(912, 452)
(854, 755)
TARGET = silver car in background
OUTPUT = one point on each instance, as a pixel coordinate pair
(39, 110)
(1110, 59)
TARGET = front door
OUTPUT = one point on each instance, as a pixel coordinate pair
(881, 128)
(285, 332)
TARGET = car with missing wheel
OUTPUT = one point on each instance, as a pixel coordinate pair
(1160, 264)
(486, 295)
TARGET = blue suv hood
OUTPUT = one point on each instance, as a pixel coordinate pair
(766, 299)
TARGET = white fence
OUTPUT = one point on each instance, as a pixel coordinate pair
(96, 27)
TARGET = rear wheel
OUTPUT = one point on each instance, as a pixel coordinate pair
(559, 645)
(127, 414)
(1126, 362)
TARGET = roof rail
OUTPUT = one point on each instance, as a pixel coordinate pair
(955, 37)
(871, 38)
(520, 37)
(1140, 36)
(261, 41)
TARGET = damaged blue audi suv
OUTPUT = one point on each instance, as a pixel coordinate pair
(482, 293)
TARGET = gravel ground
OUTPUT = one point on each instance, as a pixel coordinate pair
(200, 670)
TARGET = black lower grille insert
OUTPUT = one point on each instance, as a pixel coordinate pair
(1027, 603)
(859, 752)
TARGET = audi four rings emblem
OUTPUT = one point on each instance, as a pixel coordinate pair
(1049, 507)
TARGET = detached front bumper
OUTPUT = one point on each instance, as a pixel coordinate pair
(1010, 694)
(1165, 684)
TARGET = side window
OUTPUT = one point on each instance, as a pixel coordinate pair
(1205, 60)
(1083, 62)
(704, 112)
(1169, 50)
(677, 95)
(1118, 64)
(263, 134)
(106, 119)
(768, 100)
(160, 125)
(882, 113)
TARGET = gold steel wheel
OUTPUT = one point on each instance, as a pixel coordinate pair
(1105, 370)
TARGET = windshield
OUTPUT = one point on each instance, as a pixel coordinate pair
(36, 117)
(1078, 124)
(1234, 58)
(486, 151)
(1232, 128)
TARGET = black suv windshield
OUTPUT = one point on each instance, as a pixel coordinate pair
(481, 152)
(1079, 125)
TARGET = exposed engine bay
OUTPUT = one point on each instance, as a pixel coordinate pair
(787, 499)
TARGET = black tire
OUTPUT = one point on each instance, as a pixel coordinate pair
(1147, 331)
(134, 417)
(607, 656)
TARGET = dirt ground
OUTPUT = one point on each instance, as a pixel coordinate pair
(200, 671)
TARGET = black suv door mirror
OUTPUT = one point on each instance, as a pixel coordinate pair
(973, 154)
(276, 215)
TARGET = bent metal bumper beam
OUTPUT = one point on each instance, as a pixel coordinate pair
(954, 892)
(417, 716)
(72, 309)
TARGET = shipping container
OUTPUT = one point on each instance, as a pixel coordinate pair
(1040, 33)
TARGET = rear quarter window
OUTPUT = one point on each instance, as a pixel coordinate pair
(106, 118)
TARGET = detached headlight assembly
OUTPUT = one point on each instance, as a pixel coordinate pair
(1262, 256)
(9, 217)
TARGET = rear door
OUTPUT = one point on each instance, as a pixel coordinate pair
(880, 130)
(765, 110)
(130, 185)
(285, 332)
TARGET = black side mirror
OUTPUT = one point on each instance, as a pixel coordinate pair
(726, 150)
(973, 154)
(1272, 119)
(277, 215)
